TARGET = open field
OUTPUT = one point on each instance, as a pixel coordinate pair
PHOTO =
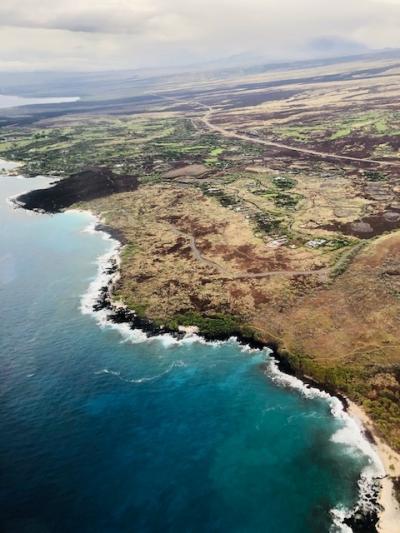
(269, 200)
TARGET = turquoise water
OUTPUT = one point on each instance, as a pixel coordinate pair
(102, 433)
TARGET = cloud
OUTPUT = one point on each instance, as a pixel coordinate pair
(113, 16)
(134, 33)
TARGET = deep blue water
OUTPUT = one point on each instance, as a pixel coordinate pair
(101, 435)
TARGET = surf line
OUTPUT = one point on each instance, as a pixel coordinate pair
(97, 301)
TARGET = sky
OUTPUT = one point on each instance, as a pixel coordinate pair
(128, 34)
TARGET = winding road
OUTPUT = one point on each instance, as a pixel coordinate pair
(229, 275)
(206, 119)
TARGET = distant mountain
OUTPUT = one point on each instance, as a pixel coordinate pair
(121, 84)
(322, 47)
(334, 47)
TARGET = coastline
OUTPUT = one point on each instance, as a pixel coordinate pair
(389, 516)
(115, 314)
(377, 509)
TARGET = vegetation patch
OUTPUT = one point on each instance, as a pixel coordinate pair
(283, 182)
(289, 201)
(375, 175)
(215, 326)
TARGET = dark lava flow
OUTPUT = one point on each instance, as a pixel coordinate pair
(87, 185)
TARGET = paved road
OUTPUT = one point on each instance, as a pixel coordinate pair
(209, 111)
(206, 119)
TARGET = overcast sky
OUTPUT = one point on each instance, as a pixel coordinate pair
(114, 34)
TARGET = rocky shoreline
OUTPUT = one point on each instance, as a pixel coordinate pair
(120, 314)
(363, 519)
(83, 186)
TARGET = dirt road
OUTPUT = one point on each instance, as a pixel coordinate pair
(232, 276)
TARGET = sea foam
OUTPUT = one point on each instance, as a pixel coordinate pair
(145, 379)
(350, 435)
(103, 279)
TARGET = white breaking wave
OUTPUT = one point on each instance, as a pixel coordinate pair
(105, 279)
(91, 228)
(339, 515)
(145, 379)
(16, 204)
(350, 435)
(13, 202)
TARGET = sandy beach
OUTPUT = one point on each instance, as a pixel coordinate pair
(389, 521)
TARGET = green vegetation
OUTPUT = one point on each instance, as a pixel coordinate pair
(226, 200)
(345, 260)
(372, 123)
(299, 133)
(112, 142)
(215, 152)
(218, 325)
(340, 133)
(266, 222)
(138, 145)
(283, 182)
(288, 201)
(128, 251)
(139, 308)
(363, 385)
(336, 244)
(375, 175)
(213, 157)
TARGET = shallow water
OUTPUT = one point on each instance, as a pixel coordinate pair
(103, 433)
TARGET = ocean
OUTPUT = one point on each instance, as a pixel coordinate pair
(104, 431)
(7, 100)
